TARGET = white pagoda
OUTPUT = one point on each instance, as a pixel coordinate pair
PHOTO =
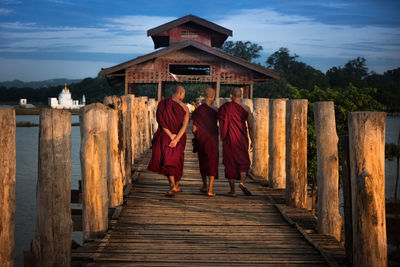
(65, 100)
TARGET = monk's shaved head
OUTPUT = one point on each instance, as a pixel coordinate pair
(209, 93)
(178, 89)
(236, 92)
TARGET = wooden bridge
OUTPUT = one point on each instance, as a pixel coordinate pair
(147, 228)
(193, 229)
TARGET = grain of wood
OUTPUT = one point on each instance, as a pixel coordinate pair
(296, 153)
(7, 186)
(93, 153)
(51, 245)
(277, 145)
(367, 174)
(261, 137)
(329, 220)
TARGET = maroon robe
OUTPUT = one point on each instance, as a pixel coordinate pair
(205, 118)
(164, 159)
(232, 122)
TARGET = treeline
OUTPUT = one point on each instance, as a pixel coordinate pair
(94, 90)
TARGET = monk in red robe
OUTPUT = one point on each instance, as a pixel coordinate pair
(169, 140)
(233, 117)
(205, 129)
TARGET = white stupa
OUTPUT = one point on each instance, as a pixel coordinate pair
(65, 100)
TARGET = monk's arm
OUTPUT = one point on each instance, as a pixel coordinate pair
(183, 128)
(194, 129)
(184, 125)
(171, 135)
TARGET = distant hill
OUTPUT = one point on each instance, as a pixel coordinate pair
(38, 84)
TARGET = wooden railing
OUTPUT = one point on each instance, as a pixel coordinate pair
(119, 131)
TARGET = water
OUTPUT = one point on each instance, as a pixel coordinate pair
(26, 178)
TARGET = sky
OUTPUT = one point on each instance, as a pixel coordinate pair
(46, 39)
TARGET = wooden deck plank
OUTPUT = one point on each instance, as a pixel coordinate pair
(192, 229)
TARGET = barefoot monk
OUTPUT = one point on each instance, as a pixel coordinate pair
(205, 130)
(234, 118)
(169, 140)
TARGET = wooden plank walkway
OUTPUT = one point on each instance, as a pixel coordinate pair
(193, 229)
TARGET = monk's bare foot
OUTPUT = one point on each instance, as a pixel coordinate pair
(211, 194)
(178, 189)
(244, 189)
(230, 194)
(203, 189)
(171, 192)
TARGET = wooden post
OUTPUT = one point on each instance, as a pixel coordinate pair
(249, 103)
(277, 147)
(7, 186)
(129, 107)
(115, 102)
(151, 108)
(296, 153)
(136, 128)
(126, 82)
(261, 136)
(114, 170)
(251, 89)
(132, 110)
(218, 88)
(146, 126)
(367, 169)
(329, 220)
(159, 87)
(345, 171)
(52, 243)
(93, 121)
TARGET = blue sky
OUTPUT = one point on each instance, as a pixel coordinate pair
(44, 39)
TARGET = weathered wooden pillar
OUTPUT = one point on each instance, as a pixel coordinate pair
(249, 103)
(296, 153)
(329, 220)
(136, 128)
(159, 88)
(367, 170)
(7, 186)
(114, 173)
(142, 124)
(261, 137)
(277, 146)
(93, 121)
(132, 100)
(152, 117)
(115, 102)
(128, 102)
(52, 243)
(146, 125)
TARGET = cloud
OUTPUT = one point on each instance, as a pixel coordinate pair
(126, 35)
(5, 11)
(309, 38)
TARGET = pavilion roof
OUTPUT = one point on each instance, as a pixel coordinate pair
(120, 68)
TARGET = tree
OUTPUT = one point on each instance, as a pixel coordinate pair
(245, 50)
(354, 71)
(295, 72)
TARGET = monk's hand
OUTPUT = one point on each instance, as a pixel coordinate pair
(251, 147)
(172, 136)
(173, 143)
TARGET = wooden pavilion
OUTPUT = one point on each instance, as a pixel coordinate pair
(190, 53)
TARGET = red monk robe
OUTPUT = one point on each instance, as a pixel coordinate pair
(232, 122)
(164, 159)
(205, 119)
